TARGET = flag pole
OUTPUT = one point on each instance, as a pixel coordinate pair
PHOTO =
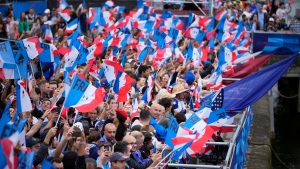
(163, 159)
(19, 71)
(41, 68)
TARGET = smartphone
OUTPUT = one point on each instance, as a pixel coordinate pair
(106, 147)
(86, 127)
(77, 132)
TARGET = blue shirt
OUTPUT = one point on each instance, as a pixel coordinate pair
(179, 106)
(261, 18)
(139, 158)
(94, 150)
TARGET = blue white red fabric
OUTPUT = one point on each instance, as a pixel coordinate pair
(214, 81)
(245, 58)
(122, 86)
(32, 47)
(70, 59)
(84, 97)
(196, 124)
(49, 53)
(48, 34)
(111, 69)
(65, 14)
(23, 101)
(7, 151)
(72, 26)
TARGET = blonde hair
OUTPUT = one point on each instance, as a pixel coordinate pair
(137, 135)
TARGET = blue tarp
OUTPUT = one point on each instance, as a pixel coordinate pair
(19, 7)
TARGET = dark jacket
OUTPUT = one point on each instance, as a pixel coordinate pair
(270, 27)
(41, 154)
(134, 164)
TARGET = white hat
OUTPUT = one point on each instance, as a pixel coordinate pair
(79, 125)
(47, 11)
(271, 19)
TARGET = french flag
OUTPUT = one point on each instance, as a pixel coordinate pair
(227, 25)
(215, 81)
(194, 54)
(196, 124)
(217, 119)
(135, 106)
(181, 141)
(109, 4)
(118, 9)
(32, 46)
(65, 14)
(245, 58)
(23, 101)
(49, 52)
(147, 97)
(106, 18)
(196, 95)
(70, 59)
(94, 14)
(7, 151)
(161, 56)
(111, 69)
(62, 5)
(84, 97)
(174, 130)
(48, 34)
(122, 86)
(178, 54)
(221, 15)
(72, 26)
(227, 37)
(7, 59)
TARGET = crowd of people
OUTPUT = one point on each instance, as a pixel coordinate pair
(109, 136)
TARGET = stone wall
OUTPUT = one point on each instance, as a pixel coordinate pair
(260, 155)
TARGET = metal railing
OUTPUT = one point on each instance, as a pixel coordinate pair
(242, 128)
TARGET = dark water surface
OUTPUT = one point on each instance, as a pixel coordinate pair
(287, 126)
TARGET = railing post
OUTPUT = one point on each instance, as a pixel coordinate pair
(211, 11)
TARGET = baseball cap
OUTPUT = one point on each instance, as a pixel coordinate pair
(30, 141)
(271, 19)
(189, 78)
(47, 11)
(118, 157)
(79, 125)
(98, 124)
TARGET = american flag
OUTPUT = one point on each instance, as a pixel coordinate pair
(217, 101)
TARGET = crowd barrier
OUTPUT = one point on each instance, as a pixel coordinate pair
(238, 146)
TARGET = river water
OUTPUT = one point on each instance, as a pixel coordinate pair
(287, 126)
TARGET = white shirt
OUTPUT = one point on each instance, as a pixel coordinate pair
(282, 13)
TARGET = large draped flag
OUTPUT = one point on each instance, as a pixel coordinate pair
(245, 69)
(247, 91)
(83, 96)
